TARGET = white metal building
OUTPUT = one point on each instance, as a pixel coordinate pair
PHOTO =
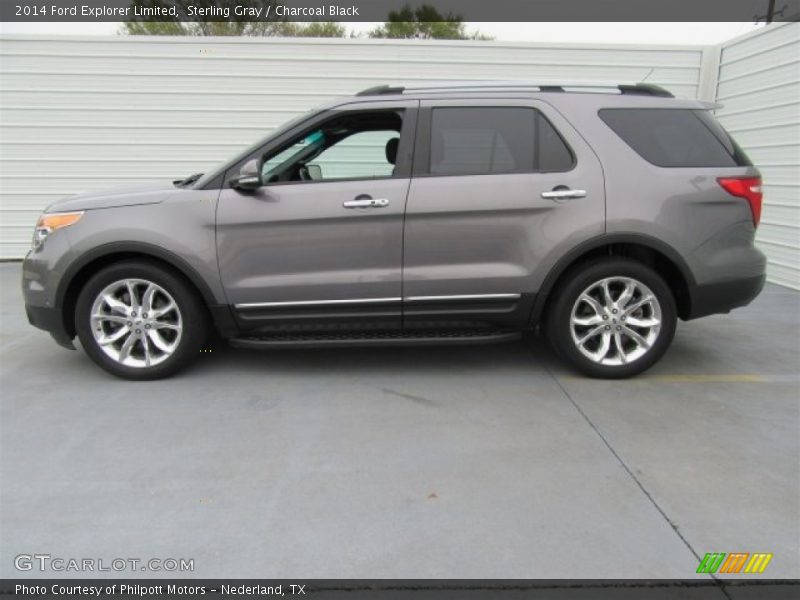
(86, 113)
(759, 88)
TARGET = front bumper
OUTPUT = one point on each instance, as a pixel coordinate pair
(40, 277)
(51, 320)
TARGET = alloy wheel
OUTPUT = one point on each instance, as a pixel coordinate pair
(615, 321)
(136, 322)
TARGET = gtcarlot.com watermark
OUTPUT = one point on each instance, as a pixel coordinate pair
(57, 564)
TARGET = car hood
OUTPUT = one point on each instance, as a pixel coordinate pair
(151, 193)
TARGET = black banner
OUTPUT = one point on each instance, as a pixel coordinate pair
(378, 10)
(465, 589)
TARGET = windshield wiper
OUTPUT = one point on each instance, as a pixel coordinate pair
(188, 181)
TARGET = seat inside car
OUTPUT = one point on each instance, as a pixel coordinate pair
(391, 151)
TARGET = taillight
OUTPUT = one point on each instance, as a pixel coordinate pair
(748, 188)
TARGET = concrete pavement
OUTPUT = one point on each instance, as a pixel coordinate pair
(463, 462)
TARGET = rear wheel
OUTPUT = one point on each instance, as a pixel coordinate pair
(612, 318)
(140, 321)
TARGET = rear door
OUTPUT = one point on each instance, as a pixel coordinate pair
(497, 185)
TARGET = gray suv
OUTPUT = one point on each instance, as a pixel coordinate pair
(444, 214)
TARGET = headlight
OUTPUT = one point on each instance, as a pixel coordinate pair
(49, 222)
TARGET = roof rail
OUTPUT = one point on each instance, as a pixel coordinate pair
(642, 89)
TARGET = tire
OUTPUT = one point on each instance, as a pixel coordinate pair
(140, 345)
(585, 331)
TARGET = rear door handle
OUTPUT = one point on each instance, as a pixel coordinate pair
(366, 203)
(564, 194)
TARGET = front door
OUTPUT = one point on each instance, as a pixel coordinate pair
(499, 185)
(319, 245)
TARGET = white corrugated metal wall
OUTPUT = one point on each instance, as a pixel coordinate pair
(82, 114)
(86, 113)
(759, 88)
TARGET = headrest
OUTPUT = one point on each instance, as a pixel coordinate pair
(391, 149)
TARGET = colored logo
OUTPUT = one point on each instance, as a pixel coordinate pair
(735, 562)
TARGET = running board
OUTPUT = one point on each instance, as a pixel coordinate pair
(384, 338)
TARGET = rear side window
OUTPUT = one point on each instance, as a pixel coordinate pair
(492, 140)
(668, 137)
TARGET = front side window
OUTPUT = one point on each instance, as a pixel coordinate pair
(272, 164)
(493, 140)
(362, 154)
(350, 146)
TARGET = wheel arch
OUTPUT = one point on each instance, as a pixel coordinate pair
(81, 270)
(660, 256)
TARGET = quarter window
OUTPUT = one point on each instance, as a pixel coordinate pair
(672, 137)
(492, 140)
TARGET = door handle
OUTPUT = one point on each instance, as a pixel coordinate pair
(564, 194)
(366, 203)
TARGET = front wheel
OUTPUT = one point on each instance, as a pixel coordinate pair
(612, 318)
(138, 320)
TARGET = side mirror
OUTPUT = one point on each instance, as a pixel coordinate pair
(249, 177)
(314, 172)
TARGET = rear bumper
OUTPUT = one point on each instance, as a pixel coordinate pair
(722, 297)
(50, 320)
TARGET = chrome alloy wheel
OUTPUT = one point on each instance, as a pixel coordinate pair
(136, 322)
(615, 321)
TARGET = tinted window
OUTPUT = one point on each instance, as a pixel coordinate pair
(724, 137)
(478, 141)
(481, 141)
(675, 137)
(553, 154)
